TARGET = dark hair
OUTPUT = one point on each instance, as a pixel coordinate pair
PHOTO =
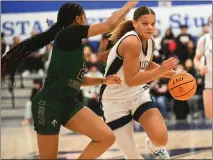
(171, 35)
(127, 26)
(182, 26)
(37, 81)
(11, 60)
(2, 35)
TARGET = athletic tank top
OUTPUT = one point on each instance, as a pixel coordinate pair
(121, 92)
(204, 48)
(66, 69)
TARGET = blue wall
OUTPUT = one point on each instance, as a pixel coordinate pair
(39, 6)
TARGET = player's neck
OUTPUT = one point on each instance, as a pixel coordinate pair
(144, 43)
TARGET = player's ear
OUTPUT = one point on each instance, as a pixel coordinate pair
(78, 19)
(134, 23)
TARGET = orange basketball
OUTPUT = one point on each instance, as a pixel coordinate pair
(182, 86)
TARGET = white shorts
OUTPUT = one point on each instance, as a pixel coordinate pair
(115, 111)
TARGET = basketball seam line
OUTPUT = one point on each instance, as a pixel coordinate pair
(187, 92)
(181, 84)
(175, 77)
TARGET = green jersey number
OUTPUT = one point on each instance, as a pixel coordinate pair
(81, 75)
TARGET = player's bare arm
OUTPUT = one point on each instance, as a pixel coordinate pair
(113, 21)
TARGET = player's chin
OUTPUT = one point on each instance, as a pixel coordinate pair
(148, 36)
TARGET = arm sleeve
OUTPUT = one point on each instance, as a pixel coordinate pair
(72, 36)
(200, 46)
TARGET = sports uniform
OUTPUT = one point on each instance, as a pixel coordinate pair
(55, 104)
(120, 102)
(204, 48)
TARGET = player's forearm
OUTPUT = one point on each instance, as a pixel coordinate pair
(169, 74)
(119, 16)
(88, 81)
(144, 77)
(102, 56)
(103, 45)
(112, 22)
(165, 75)
(197, 63)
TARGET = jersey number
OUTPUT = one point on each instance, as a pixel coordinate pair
(81, 74)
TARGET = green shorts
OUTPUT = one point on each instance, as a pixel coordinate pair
(50, 112)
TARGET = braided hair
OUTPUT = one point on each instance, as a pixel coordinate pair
(12, 59)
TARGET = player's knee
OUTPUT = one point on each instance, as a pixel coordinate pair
(109, 138)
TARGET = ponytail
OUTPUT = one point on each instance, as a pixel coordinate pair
(121, 30)
(11, 60)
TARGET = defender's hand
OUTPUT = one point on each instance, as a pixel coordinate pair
(112, 79)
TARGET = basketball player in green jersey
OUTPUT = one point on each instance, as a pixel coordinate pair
(55, 104)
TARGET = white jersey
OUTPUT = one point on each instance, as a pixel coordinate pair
(121, 92)
(204, 48)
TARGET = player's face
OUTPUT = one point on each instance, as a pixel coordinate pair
(82, 20)
(145, 26)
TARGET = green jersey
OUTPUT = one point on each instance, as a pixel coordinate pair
(66, 68)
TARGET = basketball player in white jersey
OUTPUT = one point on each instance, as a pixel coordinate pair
(131, 60)
(204, 48)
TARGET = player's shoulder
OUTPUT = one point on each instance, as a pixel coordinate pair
(208, 36)
(201, 39)
(131, 44)
(131, 41)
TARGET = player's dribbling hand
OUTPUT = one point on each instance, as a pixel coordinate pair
(203, 70)
(168, 65)
(112, 79)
